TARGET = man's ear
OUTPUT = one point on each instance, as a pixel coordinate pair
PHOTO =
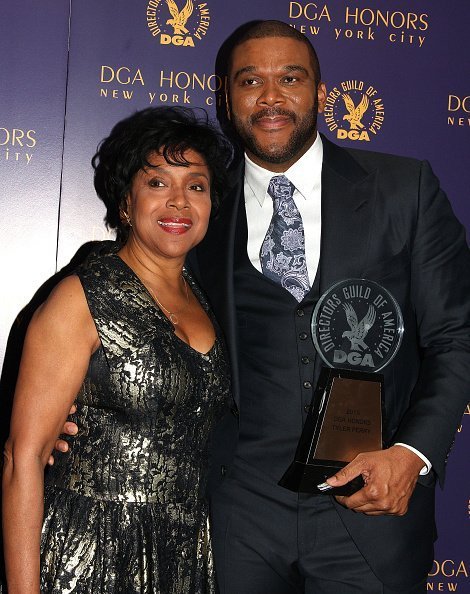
(321, 96)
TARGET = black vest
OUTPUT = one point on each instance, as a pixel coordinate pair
(276, 363)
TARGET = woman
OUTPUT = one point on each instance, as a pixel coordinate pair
(131, 334)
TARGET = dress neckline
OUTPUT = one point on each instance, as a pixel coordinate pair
(162, 315)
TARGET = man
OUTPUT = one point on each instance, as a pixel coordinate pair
(364, 215)
(381, 218)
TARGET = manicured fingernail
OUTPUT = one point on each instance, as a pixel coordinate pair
(324, 487)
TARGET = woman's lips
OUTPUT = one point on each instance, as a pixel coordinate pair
(175, 225)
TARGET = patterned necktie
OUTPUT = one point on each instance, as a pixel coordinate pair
(282, 253)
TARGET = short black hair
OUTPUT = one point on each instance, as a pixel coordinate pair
(170, 131)
(264, 29)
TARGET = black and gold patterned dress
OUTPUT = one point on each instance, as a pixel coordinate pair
(125, 510)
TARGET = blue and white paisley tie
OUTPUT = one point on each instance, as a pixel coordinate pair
(282, 253)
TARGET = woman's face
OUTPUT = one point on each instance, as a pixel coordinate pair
(169, 205)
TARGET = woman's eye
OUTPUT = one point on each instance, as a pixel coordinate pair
(156, 183)
(197, 187)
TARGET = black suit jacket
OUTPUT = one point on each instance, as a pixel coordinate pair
(386, 219)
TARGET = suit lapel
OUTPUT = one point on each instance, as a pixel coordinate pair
(348, 198)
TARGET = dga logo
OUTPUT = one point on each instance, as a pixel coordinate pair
(357, 323)
(354, 111)
(173, 25)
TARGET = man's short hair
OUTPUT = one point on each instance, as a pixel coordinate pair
(264, 29)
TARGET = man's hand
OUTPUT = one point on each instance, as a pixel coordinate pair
(69, 429)
(390, 477)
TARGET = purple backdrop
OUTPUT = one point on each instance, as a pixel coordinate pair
(59, 100)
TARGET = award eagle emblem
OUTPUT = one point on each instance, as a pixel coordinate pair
(360, 329)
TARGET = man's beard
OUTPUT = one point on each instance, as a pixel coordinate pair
(302, 134)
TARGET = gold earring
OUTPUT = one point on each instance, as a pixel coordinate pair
(126, 218)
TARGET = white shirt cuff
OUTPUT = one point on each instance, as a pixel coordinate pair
(426, 469)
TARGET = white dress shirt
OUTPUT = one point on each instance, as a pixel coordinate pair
(305, 175)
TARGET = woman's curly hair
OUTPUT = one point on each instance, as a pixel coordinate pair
(169, 131)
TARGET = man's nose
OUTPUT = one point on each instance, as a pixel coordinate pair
(270, 94)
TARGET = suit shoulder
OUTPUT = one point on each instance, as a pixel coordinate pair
(410, 180)
(374, 160)
(393, 171)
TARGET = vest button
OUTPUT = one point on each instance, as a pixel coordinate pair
(307, 385)
(300, 312)
(223, 470)
(305, 360)
(303, 336)
(307, 408)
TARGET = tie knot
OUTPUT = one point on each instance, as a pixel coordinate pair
(280, 187)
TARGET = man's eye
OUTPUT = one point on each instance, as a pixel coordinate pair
(290, 79)
(249, 82)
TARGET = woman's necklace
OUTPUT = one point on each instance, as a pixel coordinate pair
(172, 315)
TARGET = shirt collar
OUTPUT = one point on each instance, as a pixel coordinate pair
(305, 173)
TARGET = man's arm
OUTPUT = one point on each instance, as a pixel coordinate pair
(440, 298)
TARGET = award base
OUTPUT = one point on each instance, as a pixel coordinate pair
(345, 419)
(305, 478)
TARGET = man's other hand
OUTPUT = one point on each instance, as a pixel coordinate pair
(69, 428)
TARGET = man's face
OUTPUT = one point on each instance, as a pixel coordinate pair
(273, 101)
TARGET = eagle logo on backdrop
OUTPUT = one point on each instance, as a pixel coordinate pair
(179, 18)
(354, 110)
(185, 27)
(355, 113)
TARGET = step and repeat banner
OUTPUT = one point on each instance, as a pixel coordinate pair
(71, 70)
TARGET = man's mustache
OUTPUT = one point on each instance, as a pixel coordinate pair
(270, 112)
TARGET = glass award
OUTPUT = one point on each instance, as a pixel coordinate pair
(357, 328)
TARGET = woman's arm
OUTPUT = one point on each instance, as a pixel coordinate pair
(60, 340)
